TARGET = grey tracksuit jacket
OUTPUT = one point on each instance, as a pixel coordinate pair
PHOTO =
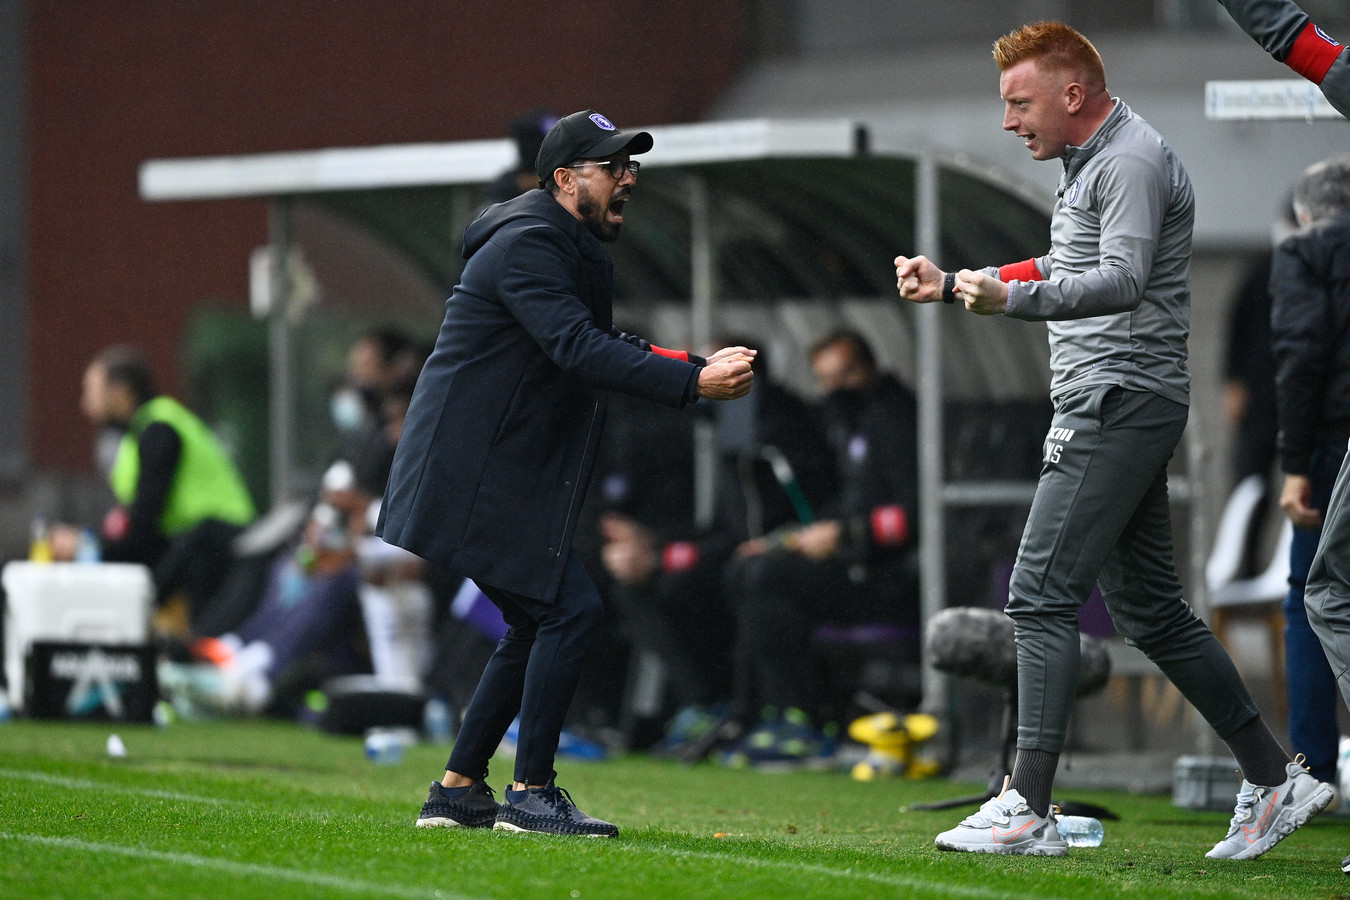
(1114, 291)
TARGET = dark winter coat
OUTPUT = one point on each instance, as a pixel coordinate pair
(502, 431)
(1310, 330)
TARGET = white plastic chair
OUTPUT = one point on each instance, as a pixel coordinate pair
(1260, 596)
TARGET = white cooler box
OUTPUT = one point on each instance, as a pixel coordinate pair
(96, 603)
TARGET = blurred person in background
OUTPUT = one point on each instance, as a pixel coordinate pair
(773, 470)
(527, 130)
(854, 561)
(305, 625)
(305, 622)
(1249, 386)
(377, 360)
(180, 499)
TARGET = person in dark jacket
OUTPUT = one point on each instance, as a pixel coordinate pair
(1310, 315)
(773, 469)
(498, 446)
(856, 562)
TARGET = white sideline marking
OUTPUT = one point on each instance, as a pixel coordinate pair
(236, 868)
(85, 784)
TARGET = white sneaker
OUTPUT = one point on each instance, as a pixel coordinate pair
(1267, 815)
(1005, 824)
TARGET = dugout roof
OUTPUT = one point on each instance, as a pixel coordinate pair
(797, 208)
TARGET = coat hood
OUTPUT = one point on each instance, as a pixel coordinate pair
(538, 205)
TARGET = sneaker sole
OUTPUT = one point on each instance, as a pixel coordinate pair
(444, 822)
(1289, 821)
(517, 829)
(1007, 849)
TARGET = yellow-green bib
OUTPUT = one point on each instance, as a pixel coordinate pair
(206, 485)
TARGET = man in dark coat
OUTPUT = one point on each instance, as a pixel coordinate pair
(1309, 318)
(498, 446)
(1316, 263)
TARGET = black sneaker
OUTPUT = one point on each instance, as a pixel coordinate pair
(549, 810)
(474, 808)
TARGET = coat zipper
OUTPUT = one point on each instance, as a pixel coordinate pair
(576, 480)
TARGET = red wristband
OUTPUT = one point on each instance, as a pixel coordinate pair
(679, 556)
(1020, 271)
(1313, 53)
(890, 526)
(673, 354)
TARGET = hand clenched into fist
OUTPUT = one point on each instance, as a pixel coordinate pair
(727, 375)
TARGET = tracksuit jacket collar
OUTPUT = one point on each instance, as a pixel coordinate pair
(1076, 157)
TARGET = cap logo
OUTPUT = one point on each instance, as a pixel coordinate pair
(601, 121)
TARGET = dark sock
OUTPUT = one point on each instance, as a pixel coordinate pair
(1033, 776)
(1258, 754)
(452, 793)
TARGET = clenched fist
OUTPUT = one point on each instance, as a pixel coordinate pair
(727, 375)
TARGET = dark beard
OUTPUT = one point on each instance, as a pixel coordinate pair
(593, 217)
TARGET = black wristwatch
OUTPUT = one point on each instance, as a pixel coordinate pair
(949, 288)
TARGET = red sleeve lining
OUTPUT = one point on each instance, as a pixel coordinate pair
(673, 354)
(1020, 271)
(1313, 53)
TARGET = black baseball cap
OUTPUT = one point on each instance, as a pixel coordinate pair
(585, 135)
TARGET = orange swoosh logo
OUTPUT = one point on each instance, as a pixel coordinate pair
(1260, 826)
(1005, 836)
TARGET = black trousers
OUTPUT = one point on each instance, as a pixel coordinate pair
(779, 599)
(197, 563)
(534, 673)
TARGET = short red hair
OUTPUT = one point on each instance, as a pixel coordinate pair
(1056, 46)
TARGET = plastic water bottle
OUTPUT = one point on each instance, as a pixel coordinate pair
(40, 548)
(384, 746)
(88, 550)
(436, 724)
(1080, 831)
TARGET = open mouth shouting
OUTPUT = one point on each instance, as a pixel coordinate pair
(617, 204)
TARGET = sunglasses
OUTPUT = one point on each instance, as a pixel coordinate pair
(614, 167)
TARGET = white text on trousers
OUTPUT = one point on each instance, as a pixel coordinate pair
(1055, 441)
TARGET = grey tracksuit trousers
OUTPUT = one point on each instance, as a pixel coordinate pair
(1101, 514)
(1327, 597)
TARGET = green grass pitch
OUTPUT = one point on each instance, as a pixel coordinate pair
(274, 810)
